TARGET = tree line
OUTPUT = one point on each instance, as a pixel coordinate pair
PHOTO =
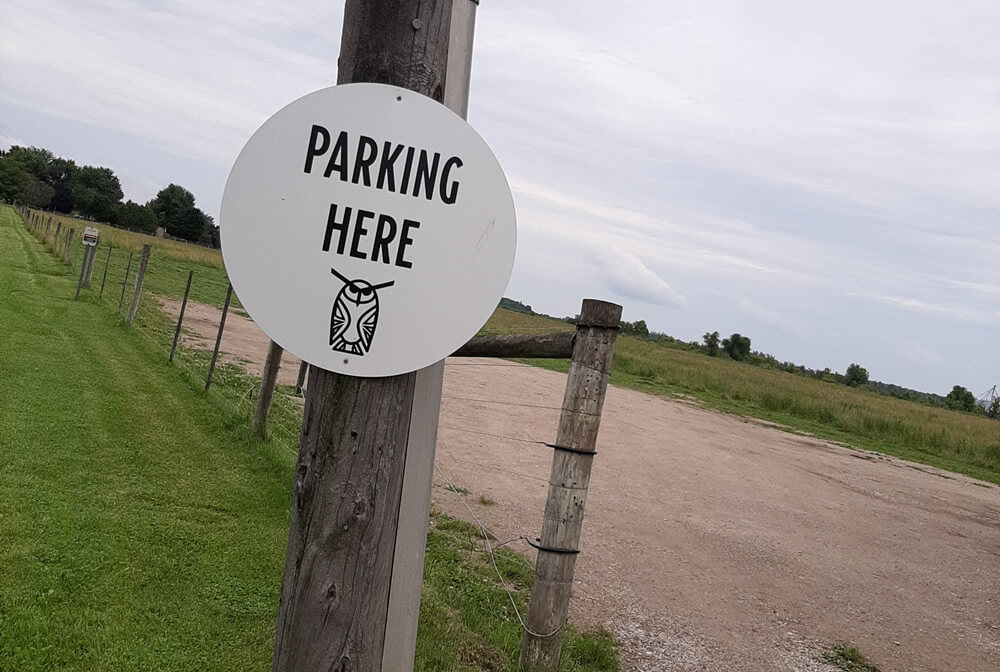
(40, 179)
(737, 347)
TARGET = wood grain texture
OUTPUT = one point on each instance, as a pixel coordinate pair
(140, 274)
(542, 346)
(349, 476)
(562, 522)
(345, 507)
(300, 379)
(268, 379)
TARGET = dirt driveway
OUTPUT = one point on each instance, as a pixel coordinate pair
(713, 543)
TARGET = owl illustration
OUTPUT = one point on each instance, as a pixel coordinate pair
(355, 315)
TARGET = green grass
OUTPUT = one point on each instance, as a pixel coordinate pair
(847, 658)
(166, 273)
(143, 528)
(950, 440)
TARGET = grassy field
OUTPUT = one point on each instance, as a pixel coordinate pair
(143, 528)
(950, 440)
(959, 442)
(169, 261)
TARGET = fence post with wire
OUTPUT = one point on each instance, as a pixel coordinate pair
(590, 350)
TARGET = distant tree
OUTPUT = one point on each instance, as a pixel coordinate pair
(176, 212)
(711, 343)
(960, 399)
(137, 217)
(637, 328)
(994, 410)
(96, 192)
(210, 232)
(737, 346)
(36, 193)
(13, 180)
(61, 173)
(856, 375)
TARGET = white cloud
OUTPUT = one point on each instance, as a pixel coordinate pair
(628, 276)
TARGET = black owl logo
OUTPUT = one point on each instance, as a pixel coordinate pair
(355, 315)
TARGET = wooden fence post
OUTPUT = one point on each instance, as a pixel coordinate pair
(128, 268)
(268, 379)
(360, 450)
(140, 272)
(301, 378)
(83, 269)
(90, 266)
(218, 338)
(180, 318)
(575, 446)
(55, 238)
(68, 249)
(104, 279)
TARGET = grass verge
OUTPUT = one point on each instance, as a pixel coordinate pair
(959, 442)
(144, 528)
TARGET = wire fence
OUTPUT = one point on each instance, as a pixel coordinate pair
(235, 389)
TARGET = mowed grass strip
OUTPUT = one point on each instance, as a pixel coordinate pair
(143, 529)
(166, 273)
(959, 442)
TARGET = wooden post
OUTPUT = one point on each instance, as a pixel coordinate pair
(90, 266)
(83, 270)
(348, 556)
(104, 279)
(128, 268)
(301, 378)
(575, 446)
(140, 272)
(268, 379)
(218, 338)
(55, 238)
(68, 249)
(180, 318)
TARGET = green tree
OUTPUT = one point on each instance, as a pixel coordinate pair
(856, 376)
(36, 193)
(637, 328)
(737, 346)
(960, 399)
(175, 209)
(994, 409)
(711, 343)
(96, 192)
(137, 217)
(13, 180)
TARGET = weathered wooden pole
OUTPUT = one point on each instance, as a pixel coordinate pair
(576, 442)
(128, 267)
(268, 379)
(140, 273)
(218, 337)
(104, 278)
(180, 317)
(83, 270)
(300, 379)
(68, 249)
(55, 237)
(90, 266)
(351, 568)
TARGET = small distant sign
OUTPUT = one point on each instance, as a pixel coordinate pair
(90, 236)
(368, 230)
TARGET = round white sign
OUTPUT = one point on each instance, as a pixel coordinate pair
(368, 230)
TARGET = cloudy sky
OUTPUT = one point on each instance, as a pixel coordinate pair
(821, 176)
